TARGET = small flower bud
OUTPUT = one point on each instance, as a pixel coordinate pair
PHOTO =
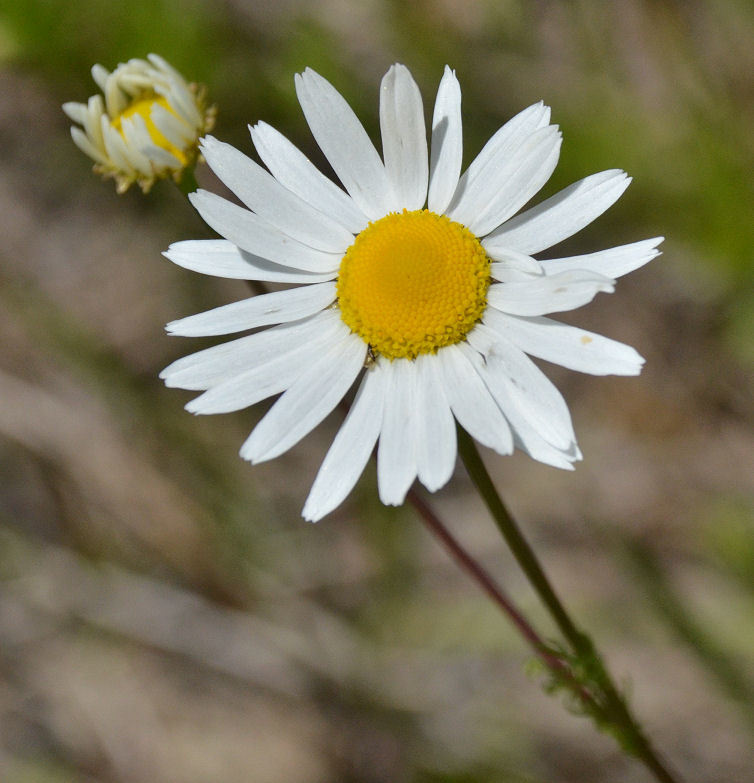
(145, 126)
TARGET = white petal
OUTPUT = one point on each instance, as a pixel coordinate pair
(257, 383)
(274, 372)
(295, 171)
(100, 75)
(614, 262)
(447, 143)
(221, 258)
(176, 130)
(281, 208)
(81, 140)
(495, 155)
(184, 103)
(561, 215)
(93, 125)
(140, 146)
(257, 236)
(274, 308)
(351, 449)
(517, 182)
(566, 345)
(396, 453)
(435, 428)
(548, 293)
(78, 112)
(115, 99)
(115, 147)
(138, 142)
(212, 366)
(161, 157)
(404, 138)
(530, 441)
(345, 143)
(521, 388)
(471, 403)
(312, 396)
(524, 435)
(514, 266)
(163, 65)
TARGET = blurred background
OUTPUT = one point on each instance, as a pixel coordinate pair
(166, 616)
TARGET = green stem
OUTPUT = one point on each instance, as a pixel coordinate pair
(187, 183)
(620, 720)
(554, 663)
(521, 549)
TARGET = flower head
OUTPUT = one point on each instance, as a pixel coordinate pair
(417, 279)
(147, 126)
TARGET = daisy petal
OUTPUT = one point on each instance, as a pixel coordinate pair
(115, 146)
(436, 432)
(177, 131)
(351, 449)
(257, 236)
(81, 140)
(548, 293)
(495, 155)
(566, 345)
(396, 453)
(78, 112)
(511, 266)
(221, 258)
(615, 262)
(209, 367)
(242, 387)
(311, 397)
(292, 169)
(505, 273)
(264, 195)
(159, 156)
(521, 389)
(561, 215)
(345, 143)
(471, 402)
(518, 182)
(274, 308)
(527, 439)
(252, 386)
(404, 138)
(524, 435)
(447, 143)
(100, 75)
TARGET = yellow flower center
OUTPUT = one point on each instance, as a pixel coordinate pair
(413, 282)
(143, 107)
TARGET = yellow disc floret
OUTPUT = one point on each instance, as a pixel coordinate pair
(413, 282)
(143, 107)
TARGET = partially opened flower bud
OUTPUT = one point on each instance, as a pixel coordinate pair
(147, 125)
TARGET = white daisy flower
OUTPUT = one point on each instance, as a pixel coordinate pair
(147, 126)
(417, 279)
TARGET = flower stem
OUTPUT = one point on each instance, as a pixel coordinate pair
(619, 721)
(521, 549)
(187, 183)
(557, 666)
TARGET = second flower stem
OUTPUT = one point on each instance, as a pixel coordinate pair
(619, 718)
(520, 547)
